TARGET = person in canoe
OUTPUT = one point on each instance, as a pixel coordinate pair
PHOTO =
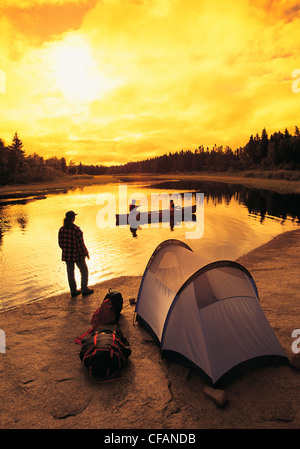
(133, 205)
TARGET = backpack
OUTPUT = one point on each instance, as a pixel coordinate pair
(105, 352)
(110, 309)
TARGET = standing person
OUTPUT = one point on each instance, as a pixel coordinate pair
(74, 251)
(133, 207)
(172, 222)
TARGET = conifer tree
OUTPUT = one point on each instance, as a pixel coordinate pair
(17, 145)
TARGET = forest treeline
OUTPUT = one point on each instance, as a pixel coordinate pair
(17, 168)
(277, 151)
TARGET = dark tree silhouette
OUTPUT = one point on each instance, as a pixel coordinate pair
(279, 151)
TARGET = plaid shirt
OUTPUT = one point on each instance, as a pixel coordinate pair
(71, 242)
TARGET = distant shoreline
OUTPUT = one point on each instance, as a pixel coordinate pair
(282, 186)
(43, 188)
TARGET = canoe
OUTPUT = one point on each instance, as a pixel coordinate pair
(148, 217)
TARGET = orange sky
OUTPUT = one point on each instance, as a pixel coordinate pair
(110, 81)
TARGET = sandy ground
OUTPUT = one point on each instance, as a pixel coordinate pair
(44, 386)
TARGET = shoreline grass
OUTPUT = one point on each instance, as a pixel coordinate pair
(258, 180)
(273, 180)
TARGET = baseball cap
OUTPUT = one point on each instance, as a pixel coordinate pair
(70, 214)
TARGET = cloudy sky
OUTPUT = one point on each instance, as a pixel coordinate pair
(109, 81)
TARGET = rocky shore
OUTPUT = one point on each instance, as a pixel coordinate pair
(44, 386)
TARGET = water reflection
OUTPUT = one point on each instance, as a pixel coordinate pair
(23, 222)
(171, 221)
(133, 231)
(10, 218)
(30, 259)
(258, 202)
(5, 225)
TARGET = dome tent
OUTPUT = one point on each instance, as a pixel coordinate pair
(206, 315)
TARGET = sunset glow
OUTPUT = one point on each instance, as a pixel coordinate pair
(110, 81)
(76, 72)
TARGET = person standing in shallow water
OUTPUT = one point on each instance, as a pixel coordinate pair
(74, 251)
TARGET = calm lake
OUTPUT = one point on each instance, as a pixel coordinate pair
(235, 220)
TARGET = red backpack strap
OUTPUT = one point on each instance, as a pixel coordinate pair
(78, 339)
(112, 347)
(92, 349)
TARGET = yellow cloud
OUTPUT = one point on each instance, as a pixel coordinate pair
(132, 79)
